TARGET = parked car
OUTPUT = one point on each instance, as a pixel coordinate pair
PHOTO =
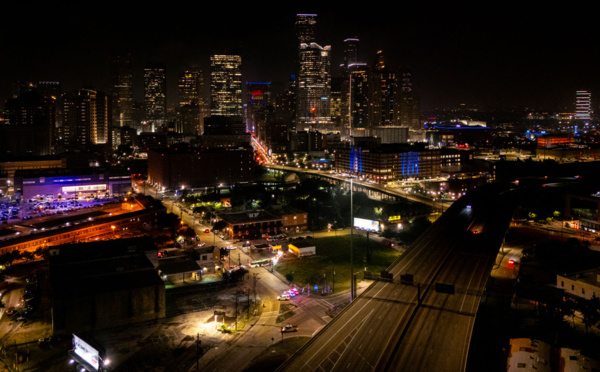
(289, 328)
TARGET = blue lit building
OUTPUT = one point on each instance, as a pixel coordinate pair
(385, 164)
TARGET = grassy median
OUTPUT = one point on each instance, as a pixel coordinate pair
(333, 254)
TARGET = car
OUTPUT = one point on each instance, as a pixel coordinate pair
(231, 247)
(293, 291)
(10, 311)
(207, 231)
(283, 297)
(289, 328)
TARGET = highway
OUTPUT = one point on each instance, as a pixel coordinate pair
(399, 327)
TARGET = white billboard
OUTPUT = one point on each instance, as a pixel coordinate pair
(86, 352)
(361, 223)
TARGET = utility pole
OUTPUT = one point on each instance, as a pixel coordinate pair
(351, 242)
(236, 308)
(333, 281)
(255, 278)
(197, 352)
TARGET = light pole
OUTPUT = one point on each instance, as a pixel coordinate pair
(351, 243)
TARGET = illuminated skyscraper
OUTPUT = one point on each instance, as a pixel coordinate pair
(258, 104)
(155, 95)
(358, 106)
(121, 90)
(583, 105)
(86, 119)
(226, 85)
(314, 85)
(408, 103)
(314, 78)
(191, 86)
(306, 28)
(383, 94)
(350, 51)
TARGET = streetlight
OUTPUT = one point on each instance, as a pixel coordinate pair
(351, 242)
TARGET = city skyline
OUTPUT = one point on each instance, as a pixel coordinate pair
(530, 57)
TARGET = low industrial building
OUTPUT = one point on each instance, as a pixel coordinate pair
(179, 269)
(584, 284)
(65, 183)
(302, 249)
(530, 355)
(255, 224)
(104, 284)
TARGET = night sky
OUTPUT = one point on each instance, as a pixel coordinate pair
(491, 57)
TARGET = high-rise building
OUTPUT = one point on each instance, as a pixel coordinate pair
(336, 99)
(191, 86)
(30, 125)
(408, 103)
(358, 93)
(226, 85)
(86, 119)
(155, 96)
(583, 105)
(350, 51)
(121, 90)
(383, 94)
(306, 28)
(314, 85)
(314, 77)
(258, 106)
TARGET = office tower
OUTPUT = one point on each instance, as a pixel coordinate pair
(191, 86)
(314, 85)
(336, 100)
(49, 89)
(583, 105)
(30, 125)
(121, 90)
(226, 85)
(408, 103)
(357, 109)
(383, 94)
(155, 96)
(350, 51)
(86, 120)
(258, 105)
(306, 28)
(285, 106)
(314, 78)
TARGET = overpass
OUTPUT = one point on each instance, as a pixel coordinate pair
(373, 191)
(421, 319)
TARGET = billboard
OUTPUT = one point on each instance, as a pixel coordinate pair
(361, 223)
(86, 352)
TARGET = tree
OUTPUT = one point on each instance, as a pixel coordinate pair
(590, 309)
(219, 225)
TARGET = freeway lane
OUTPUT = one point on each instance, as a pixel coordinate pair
(362, 331)
(387, 329)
